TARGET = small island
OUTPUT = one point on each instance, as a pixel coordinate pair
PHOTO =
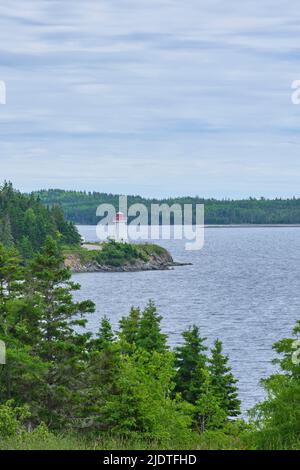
(113, 256)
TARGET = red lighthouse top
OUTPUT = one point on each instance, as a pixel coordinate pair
(120, 217)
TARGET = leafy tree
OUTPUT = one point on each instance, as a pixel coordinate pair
(191, 362)
(142, 403)
(209, 413)
(278, 417)
(12, 419)
(223, 382)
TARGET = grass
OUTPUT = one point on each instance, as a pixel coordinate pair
(42, 439)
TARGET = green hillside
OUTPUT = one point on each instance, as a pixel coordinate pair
(25, 222)
(80, 207)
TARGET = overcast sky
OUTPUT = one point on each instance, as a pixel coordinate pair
(157, 97)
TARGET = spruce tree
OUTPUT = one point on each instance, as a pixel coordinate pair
(57, 342)
(99, 376)
(191, 362)
(149, 335)
(223, 381)
(129, 329)
(21, 375)
(105, 335)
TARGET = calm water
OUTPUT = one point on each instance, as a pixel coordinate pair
(243, 288)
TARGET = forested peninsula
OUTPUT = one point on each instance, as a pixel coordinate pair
(80, 207)
(25, 223)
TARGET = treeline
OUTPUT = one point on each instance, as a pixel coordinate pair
(80, 207)
(25, 222)
(61, 379)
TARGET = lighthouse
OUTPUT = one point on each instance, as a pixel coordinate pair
(120, 227)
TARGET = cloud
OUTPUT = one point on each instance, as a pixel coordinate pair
(165, 96)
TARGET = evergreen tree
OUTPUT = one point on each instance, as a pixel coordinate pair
(223, 382)
(105, 335)
(55, 341)
(25, 222)
(129, 329)
(99, 377)
(19, 378)
(149, 335)
(191, 362)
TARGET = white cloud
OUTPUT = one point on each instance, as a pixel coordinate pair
(172, 93)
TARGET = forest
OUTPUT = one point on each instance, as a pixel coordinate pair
(25, 222)
(61, 387)
(80, 207)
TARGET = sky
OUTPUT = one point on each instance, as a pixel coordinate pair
(152, 97)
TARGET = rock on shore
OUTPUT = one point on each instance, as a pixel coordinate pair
(161, 261)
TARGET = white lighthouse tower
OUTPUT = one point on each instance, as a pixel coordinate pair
(120, 227)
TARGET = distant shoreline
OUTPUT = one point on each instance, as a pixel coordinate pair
(254, 226)
(228, 225)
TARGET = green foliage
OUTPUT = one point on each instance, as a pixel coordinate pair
(25, 222)
(12, 419)
(142, 330)
(149, 336)
(209, 413)
(105, 334)
(277, 419)
(191, 363)
(80, 207)
(223, 382)
(117, 254)
(142, 403)
(127, 387)
(37, 321)
(129, 326)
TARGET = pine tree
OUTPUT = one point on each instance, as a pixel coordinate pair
(56, 341)
(223, 382)
(149, 335)
(105, 335)
(21, 374)
(99, 376)
(191, 362)
(129, 329)
(6, 236)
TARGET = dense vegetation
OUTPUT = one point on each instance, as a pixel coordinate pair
(25, 222)
(80, 207)
(62, 387)
(116, 254)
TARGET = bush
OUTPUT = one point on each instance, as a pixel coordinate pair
(12, 419)
(117, 254)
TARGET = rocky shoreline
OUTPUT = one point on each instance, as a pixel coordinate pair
(155, 262)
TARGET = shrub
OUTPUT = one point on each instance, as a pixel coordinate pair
(12, 419)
